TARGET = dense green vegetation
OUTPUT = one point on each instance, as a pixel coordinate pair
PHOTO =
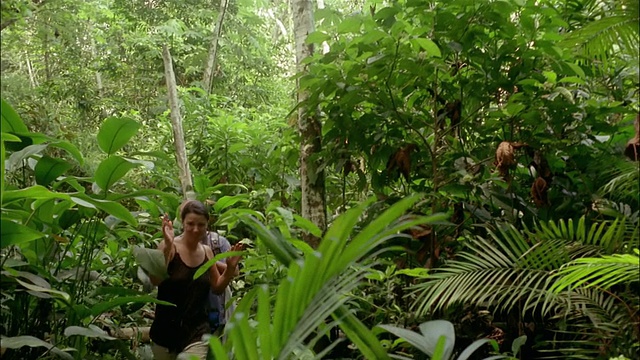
(478, 161)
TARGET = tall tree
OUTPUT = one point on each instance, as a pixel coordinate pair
(213, 48)
(176, 122)
(311, 176)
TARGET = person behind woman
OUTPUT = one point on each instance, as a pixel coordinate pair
(179, 329)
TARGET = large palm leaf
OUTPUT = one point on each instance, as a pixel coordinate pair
(515, 269)
(616, 30)
(316, 288)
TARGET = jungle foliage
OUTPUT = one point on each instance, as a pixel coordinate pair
(481, 161)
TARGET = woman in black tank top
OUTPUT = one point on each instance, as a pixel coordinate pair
(180, 328)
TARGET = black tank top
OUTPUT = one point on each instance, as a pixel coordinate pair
(175, 327)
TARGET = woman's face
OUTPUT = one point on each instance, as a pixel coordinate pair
(194, 225)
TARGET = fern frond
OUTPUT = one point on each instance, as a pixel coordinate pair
(615, 31)
(604, 272)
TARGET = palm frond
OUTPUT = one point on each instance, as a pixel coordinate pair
(624, 183)
(614, 31)
(316, 288)
(605, 272)
(516, 269)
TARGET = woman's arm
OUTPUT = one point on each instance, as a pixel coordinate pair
(166, 246)
(221, 276)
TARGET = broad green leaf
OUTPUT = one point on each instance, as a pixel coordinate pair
(15, 234)
(115, 132)
(33, 192)
(349, 25)
(111, 170)
(317, 37)
(9, 137)
(108, 206)
(571, 80)
(91, 331)
(205, 267)
(429, 46)
(551, 76)
(517, 344)
(17, 342)
(434, 330)
(48, 169)
(11, 121)
(68, 147)
(152, 261)
(415, 272)
(307, 225)
(469, 350)
(576, 69)
(18, 157)
(227, 201)
(413, 338)
(439, 353)
(60, 294)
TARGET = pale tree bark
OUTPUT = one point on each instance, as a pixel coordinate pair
(311, 178)
(213, 49)
(176, 124)
(32, 75)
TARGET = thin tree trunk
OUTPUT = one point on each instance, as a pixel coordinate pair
(99, 85)
(311, 178)
(213, 49)
(32, 76)
(176, 122)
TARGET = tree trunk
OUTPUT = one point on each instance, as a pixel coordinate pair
(311, 179)
(32, 75)
(213, 49)
(176, 122)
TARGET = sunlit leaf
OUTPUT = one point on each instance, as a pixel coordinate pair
(111, 170)
(115, 132)
(15, 234)
(91, 331)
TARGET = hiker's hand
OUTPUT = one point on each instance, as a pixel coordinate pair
(232, 261)
(167, 229)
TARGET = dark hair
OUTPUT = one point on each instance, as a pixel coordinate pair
(195, 207)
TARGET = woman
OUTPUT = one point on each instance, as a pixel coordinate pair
(179, 329)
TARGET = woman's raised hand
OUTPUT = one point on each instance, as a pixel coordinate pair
(167, 229)
(233, 261)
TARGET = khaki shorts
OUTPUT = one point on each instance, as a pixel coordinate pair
(195, 351)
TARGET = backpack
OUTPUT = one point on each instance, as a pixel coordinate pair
(218, 311)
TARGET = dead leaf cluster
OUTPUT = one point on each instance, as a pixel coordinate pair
(401, 161)
(505, 157)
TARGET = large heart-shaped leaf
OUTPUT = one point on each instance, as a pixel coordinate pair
(152, 261)
(92, 331)
(48, 169)
(17, 342)
(108, 206)
(11, 121)
(14, 233)
(16, 159)
(111, 170)
(115, 132)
